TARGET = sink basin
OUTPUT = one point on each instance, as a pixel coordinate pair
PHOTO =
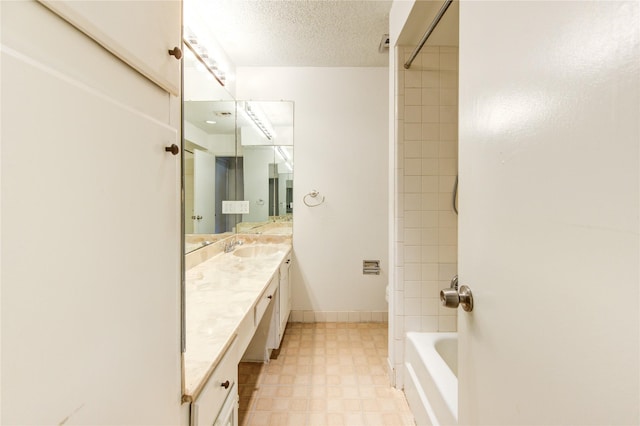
(259, 250)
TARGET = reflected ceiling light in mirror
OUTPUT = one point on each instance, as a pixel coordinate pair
(210, 122)
(259, 120)
(284, 157)
(202, 55)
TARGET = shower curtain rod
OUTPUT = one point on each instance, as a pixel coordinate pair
(427, 33)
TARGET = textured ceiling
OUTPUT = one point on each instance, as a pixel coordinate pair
(299, 32)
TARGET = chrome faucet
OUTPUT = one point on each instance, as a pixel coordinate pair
(229, 247)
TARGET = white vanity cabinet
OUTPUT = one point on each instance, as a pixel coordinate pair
(217, 402)
(251, 325)
(284, 302)
(264, 315)
(139, 35)
(271, 315)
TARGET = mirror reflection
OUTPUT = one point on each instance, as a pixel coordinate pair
(265, 142)
(238, 169)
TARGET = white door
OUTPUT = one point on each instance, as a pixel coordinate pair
(549, 208)
(204, 171)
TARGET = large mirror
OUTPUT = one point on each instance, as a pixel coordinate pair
(265, 145)
(238, 162)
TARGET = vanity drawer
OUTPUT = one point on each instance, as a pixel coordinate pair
(208, 404)
(265, 299)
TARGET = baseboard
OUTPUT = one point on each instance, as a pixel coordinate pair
(339, 316)
(391, 374)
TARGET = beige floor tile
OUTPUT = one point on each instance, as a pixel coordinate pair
(296, 419)
(259, 419)
(264, 404)
(267, 379)
(336, 419)
(317, 419)
(286, 379)
(348, 391)
(325, 374)
(298, 404)
(318, 379)
(354, 419)
(318, 404)
(381, 380)
(374, 419)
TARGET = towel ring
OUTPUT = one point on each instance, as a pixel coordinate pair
(313, 194)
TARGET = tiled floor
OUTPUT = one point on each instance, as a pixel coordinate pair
(326, 374)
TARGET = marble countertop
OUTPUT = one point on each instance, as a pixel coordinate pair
(219, 293)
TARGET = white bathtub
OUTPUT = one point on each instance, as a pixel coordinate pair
(431, 382)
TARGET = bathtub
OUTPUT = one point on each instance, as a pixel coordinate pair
(431, 382)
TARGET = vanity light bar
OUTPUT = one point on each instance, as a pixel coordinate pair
(259, 124)
(284, 156)
(202, 55)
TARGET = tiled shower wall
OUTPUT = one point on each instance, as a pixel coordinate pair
(426, 167)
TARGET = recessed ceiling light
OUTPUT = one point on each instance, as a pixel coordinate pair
(210, 122)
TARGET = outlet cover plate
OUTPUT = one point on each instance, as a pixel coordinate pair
(235, 207)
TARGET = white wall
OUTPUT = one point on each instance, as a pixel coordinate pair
(219, 145)
(341, 130)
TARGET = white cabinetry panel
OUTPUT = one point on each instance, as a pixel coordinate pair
(138, 34)
(285, 297)
(219, 387)
(90, 255)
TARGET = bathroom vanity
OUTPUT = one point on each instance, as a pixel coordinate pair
(237, 305)
(237, 187)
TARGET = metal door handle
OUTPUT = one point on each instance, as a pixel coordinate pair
(453, 296)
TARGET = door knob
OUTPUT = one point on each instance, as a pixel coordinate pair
(176, 52)
(453, 296)
(172, 149)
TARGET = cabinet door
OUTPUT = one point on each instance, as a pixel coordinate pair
(285, 295)
(218, 399)
(90, 277)
(140, 33)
